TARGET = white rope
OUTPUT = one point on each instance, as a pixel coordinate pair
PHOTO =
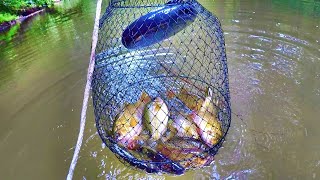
(86, 92)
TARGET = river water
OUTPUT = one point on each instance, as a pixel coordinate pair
(273, 50)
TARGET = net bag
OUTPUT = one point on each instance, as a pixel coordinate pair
(160, 84)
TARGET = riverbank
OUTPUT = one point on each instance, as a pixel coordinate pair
(16, 14)
(8, 24)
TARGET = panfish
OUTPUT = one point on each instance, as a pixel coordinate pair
(156, 115)
(185, 127)
(209, 128)
(187, 151)
(128, 123)
(192, 101)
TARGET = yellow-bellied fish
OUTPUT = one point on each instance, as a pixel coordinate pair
(209, 128)
(186, 151)
(198, 162)
(128, 124)
(204, 114)
(206, 119)
(193, 102)
(185, 127)
(156, 115)
(178, 149)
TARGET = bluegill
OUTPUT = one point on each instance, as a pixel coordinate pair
(187, 151)
(178, 149)
(192, 101)
(207, 120)
(128, 123)
(204, 114)
(165, 164)
(169, 166)
(185, 127)
(209, 128)
(156, 115)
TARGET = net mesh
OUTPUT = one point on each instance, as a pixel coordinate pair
(160, 84)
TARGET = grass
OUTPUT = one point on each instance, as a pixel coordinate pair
(4, 17)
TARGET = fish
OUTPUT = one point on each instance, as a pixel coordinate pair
(158, 25)
(156, 116)
(208, 105)
(187, 151)
(178, 149)
(198, 161)
(195, 102)
(185, 127)
(207, 120)
(165, 164)
(204, 114)
(192, 101)
(128, 123)
(170, 133)
(209, 128)
(169, 166)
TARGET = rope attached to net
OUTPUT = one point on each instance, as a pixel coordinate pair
(86, 92)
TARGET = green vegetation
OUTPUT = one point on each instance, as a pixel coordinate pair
(7, 17)
(10, 9)
(7, 36)
(13, 6)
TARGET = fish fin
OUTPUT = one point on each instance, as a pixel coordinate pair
(209, 92)
(145, 98)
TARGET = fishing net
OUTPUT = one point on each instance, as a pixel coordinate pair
(160, 84)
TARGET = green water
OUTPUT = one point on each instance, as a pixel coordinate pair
(273, 50)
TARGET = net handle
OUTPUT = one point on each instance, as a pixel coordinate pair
(86, 92)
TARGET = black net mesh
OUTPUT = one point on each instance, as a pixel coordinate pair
(160, 84)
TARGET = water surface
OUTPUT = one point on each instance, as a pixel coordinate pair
(273, 50)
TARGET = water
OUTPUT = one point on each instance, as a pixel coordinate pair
(273, 50)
